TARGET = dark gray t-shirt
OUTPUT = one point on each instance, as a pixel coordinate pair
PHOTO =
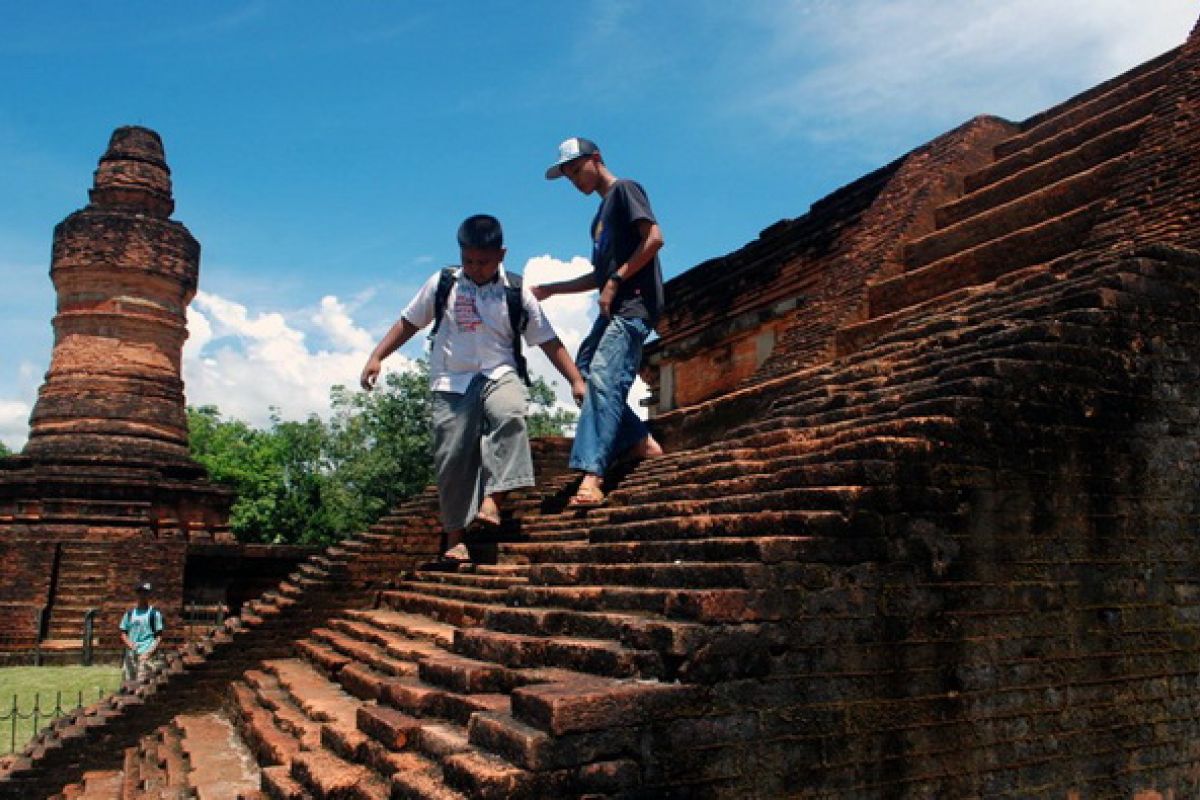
(614, 239)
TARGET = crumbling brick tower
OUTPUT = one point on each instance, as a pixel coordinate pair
(105, 492)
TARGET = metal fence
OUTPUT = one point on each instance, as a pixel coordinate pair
(36, 717)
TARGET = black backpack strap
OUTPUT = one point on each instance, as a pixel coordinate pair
(518, 318)
(445, 284)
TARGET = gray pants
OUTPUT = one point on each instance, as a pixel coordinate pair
(480, 445)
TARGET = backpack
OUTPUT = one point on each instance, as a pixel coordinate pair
(518, 317)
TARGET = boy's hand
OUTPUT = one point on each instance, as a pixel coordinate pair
(578, 390)
(607, 295)
(370, 374)
(540, 293)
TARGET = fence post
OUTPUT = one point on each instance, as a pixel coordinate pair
(41, 634)
(12, 739)
(89, 621)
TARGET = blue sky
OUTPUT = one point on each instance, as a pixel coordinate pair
(323, 154)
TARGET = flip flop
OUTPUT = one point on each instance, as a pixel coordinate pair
(459, 554)
(488, 520)
(586, 497)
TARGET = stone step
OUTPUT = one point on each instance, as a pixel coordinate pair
(444, 610)
(373, 655)
(765, 550)
(1142, 80)
(329, 777)
(220, 764)
(320, 699)
(637, 630)
(473, 579)
(1023, 211)
(416, 698)
(709, 606)
(270, 743)
(983, 263)
(286, 716)
(415, 626)
(593, 656)
(278, 784)
(471, 594)
(1003, 188)
(424, 782)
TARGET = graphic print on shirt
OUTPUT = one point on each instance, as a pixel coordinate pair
(466, 315)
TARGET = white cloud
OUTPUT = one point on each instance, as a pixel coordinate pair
(246, 363)
(867, 68)
(14, 423)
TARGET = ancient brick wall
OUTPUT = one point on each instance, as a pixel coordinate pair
(774, 305)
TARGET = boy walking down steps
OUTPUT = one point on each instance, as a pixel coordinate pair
(480, 314)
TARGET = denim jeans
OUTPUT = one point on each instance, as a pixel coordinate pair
(608, 359)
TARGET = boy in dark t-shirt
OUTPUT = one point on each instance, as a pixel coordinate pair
(626, 239)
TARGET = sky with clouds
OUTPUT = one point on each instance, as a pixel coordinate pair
(324, 154)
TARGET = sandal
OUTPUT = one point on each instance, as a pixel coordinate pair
(459, 554)
(490, 520)
(587, 497)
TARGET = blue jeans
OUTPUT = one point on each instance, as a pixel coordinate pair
(608, 359)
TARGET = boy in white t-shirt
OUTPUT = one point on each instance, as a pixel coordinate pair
(481, 444)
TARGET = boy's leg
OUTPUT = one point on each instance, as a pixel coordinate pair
(457, 419)
(606, 423)
(507, 461)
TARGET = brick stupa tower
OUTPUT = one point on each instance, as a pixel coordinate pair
(105, 492)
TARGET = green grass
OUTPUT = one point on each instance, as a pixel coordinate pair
(45, 685)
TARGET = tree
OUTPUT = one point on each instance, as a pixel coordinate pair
(4, 450)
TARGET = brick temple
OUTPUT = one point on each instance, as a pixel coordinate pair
(927, 528)
(105, 493)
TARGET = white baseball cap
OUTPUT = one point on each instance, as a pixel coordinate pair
(569, 150)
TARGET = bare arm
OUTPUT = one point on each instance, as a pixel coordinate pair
(393, 340)
(562, 362)
(584, 283)
(648, 247)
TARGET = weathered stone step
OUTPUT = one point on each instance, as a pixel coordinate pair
(1142, 80)
(473, 579)
(677, 574)
(983, 263)
(593, 656)
(377, 657)
(438, 609)
(1104, 147)
(765, 550)
(417, 698)
(640, 631)
(270, 743)
(1047, 202)
(278, 784)
(328, 777)
(416, 626)
(449, 591)
(220, 765)
(752, 524)
(709, 606)
(320, 699)
(286, 716)
(423, 783)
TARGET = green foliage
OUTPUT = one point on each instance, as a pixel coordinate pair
(314, 482)
(4, 450)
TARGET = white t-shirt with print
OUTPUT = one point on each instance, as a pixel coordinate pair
(475, 336)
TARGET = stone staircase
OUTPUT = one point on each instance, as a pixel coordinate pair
(1036, 203)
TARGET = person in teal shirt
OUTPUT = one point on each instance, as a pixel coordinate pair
(141, 633)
